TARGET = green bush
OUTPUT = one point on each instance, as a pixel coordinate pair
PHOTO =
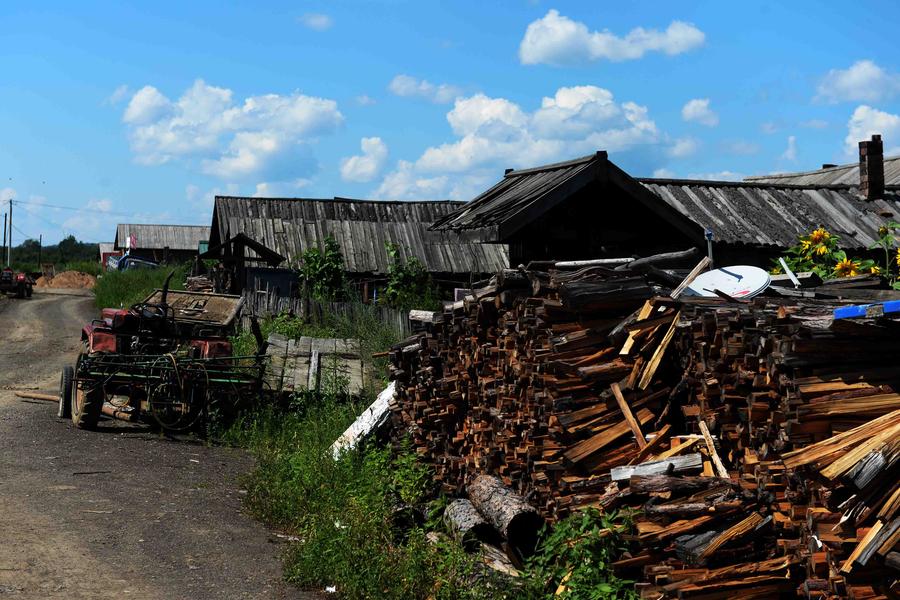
(343, 511)
(322, 271)
(409, 283)
(121, 289)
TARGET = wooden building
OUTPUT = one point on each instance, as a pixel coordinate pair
(288, 226)
(161, 243)
(590, 208)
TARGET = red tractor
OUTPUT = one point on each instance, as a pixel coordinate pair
(12, 282)
(166, 360)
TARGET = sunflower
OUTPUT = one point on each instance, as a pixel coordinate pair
(819, 236)
(846, 268)
(805, 245)
(883, 231)
(821, 249)
(875, 270)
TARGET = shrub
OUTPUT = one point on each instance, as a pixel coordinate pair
(322, 271)
(409, 283)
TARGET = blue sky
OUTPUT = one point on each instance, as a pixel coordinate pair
(144, 111)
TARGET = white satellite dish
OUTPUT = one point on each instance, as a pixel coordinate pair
(738, 281)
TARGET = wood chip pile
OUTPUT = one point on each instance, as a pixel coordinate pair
(760, 443)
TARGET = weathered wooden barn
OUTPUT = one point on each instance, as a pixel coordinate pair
(161, 243)
(590, 208)
(288, 226)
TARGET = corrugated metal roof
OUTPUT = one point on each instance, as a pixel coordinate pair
(839, 175)
(291, 225)
(157, 237)
(514, 194)
(762, 214)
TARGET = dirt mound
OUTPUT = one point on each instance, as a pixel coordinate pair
(68, 280)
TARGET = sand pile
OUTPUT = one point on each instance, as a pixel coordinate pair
(68, 280)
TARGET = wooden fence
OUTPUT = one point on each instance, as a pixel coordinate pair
(262, 304)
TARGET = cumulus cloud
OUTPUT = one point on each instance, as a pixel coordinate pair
(790, 153)
(410, 87)
(664, 173)
(555, 39)
(365, 100)
(118, 94)
(262, 136)
(316, 21)
(494, 133)
(683, 147)
(867, 121)
(698, 111)
(863, 81)
(368, 165)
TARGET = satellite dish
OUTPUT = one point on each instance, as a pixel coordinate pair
(739, 281)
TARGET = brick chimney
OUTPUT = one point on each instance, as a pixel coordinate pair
(871, 168)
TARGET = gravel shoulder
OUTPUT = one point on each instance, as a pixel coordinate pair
(118, 513)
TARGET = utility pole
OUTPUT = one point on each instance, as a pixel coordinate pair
(9, 248)
(40, 250)
(4, 236)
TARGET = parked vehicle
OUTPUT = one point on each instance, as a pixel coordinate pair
(15, 282)
(166, 360)
(126, 263)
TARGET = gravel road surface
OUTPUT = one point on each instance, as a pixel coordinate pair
(117, 513)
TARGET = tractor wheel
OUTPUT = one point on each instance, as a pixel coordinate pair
(29, 291)
(86, 406)
(65, 393)
(20, 291)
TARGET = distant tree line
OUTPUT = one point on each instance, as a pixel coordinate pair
(68, 250)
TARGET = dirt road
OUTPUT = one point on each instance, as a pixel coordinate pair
(118, 513)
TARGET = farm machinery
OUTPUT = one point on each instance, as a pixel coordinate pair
(14, 282)
(164, 361)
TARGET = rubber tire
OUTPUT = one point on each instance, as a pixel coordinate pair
(64, 411)
(20, 291)
(86, 406)
(29, 291)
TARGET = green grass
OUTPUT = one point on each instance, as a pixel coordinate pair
(343, 511)
(121, 289)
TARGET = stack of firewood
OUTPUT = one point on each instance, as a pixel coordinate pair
(759, 441)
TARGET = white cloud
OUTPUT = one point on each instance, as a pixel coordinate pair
(316, 21)
(263, 136)
(146, 105)
(495, 133)
(119, 94)
(265, 189)
(867, 121)
(365, 100)
(683, 147)
(863, 81)
(7, 194)
(368, 165)
(91, 223)
(790, 153)
(698, 111)
(410, 87)
(664, 173)
(718, 176)
(558, 40)
(814, 124)
(768, 127)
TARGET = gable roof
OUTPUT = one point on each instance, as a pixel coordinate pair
(361, 227)
(157, 237)
(838, 175)
(764, 214)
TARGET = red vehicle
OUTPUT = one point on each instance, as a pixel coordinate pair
(12, 282)
(166, 360)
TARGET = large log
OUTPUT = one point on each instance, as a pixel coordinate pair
(508, 512)
(467, 525)
(611, 295)
(658, 260)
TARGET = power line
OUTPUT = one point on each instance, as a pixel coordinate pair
(75, 209)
